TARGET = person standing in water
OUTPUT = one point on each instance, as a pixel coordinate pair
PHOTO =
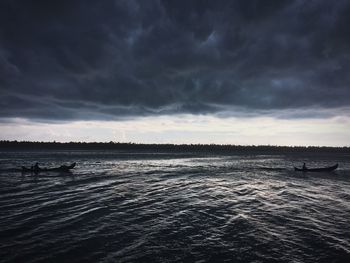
(304, 166)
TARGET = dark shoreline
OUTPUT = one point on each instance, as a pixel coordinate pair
(26, 145)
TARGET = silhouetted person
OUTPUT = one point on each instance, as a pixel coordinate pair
(304, 166)
(36, 166)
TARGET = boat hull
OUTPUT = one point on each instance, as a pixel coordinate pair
(63, 168)
(325, 169)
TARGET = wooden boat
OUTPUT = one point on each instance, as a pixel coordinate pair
(325, 169)
(62, 168)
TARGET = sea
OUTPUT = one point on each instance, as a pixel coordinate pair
(150, 206)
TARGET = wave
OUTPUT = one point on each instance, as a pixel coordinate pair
(191, 209)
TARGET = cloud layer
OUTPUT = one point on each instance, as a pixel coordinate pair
(63, 60)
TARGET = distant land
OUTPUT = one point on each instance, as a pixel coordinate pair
(30, 145)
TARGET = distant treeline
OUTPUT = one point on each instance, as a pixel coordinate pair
(29, 145)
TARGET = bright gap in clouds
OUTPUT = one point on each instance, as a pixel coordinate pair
(188, 129)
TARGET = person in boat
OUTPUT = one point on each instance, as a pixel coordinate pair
(36, 166)
(304, 167)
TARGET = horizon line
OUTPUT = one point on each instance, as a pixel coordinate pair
(166, 144)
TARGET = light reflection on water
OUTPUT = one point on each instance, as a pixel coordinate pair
(171, 207)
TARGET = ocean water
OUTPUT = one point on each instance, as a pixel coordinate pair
(174, 207)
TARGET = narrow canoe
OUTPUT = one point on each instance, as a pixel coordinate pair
(62, 168)
(325, 169)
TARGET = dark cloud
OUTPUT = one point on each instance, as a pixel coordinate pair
(110, 59)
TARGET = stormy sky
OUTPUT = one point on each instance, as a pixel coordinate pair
(114, 60)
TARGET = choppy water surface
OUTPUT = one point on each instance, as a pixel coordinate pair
(161, 207)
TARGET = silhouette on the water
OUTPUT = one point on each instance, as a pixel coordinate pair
(37, 169)
(304, 166)
(324, 169)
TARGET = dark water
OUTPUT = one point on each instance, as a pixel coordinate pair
(153, 207)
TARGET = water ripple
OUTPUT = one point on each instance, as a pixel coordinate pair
(118, 207)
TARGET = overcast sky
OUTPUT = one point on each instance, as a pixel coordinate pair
(134, 61)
